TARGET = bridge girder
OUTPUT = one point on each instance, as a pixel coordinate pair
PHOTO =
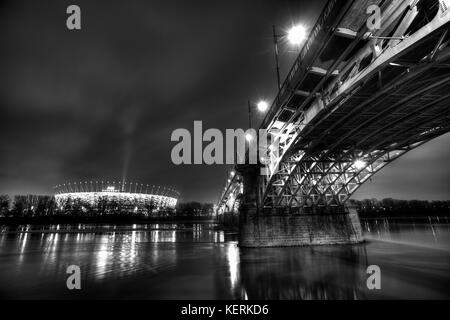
(378, 98)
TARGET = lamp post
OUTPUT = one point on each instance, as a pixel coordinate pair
(275, 47)
(296, 35)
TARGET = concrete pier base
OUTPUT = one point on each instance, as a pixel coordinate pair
(278, 229)
(291, 226)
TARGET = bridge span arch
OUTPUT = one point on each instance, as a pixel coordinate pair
(354, 101)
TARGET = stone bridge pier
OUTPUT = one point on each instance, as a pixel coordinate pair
(291, 226)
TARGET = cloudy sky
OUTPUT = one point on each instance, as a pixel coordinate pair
(102, 102)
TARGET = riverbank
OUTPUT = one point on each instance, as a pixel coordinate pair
(228, 224)
(231, 222)
(118, 220)
(411, 219)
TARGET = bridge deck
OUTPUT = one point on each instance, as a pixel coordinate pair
(355, 93)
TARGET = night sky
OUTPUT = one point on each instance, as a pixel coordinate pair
(102, 102)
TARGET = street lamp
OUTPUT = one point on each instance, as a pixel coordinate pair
(261, 106)
(296, 35)
(359, 164)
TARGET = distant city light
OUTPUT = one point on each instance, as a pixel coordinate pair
(94, 194)
(232, 173)
(359, 164)
(94, 198)
(296, 35)
(262, 106)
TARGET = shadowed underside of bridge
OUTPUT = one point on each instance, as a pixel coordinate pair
(354, 101)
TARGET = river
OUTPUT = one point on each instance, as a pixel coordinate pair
(195, 261)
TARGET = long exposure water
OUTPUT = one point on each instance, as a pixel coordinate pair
(195, 261)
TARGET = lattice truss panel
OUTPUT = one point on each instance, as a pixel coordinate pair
(232, 195)
(326, 181)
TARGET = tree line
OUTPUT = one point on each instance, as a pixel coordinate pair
(396, 207)
(27, 206)
(45, 205)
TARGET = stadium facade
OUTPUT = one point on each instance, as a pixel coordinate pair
(113, 196)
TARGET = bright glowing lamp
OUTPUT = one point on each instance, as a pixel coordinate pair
(360, 164)
(262, 106)
(296, 35)
(248, 137)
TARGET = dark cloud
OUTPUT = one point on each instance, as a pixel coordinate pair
(103, 101)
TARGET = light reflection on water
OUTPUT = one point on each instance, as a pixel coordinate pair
(195, 261)
(431, 232)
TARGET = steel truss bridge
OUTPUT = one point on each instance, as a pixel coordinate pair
(354, 100)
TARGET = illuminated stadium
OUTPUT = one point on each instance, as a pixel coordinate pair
(122, 196)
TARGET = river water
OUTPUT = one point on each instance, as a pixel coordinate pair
(194, 261)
